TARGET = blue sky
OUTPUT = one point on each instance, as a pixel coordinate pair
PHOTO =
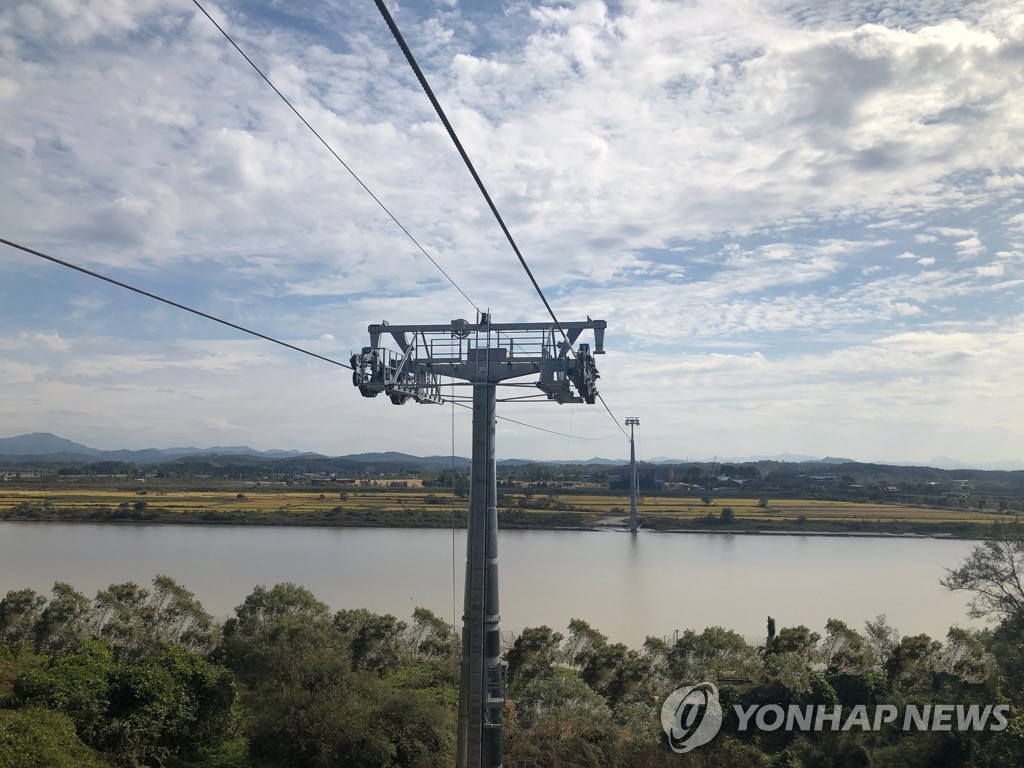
(803, 222)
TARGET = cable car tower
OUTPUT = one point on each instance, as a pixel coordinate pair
(632, 421)
(484, 355)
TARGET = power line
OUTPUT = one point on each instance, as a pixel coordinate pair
(539, 429)
(465, 157)
(617, 424)
(335, 154)
(228, 323)
(476, 177)
(175, 304)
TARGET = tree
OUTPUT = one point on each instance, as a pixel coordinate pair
(799, 640)
(374, 640)
(789, 670)
(844, 650)
(432, 639)
(965, 657)
(125, 617)
(148, 711)
(615, 672)
(65, 622)
(136, 620)
(74, 683)
(882, 640)
(563, 696)
(19, 612)
(169, 704)
(583, 640)
(180, 618)
(713, 652)
(34, 738)
(272, 629)
(994, 575)
(531, 657)
(912, 663)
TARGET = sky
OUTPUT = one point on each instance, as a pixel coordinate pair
(802, 221)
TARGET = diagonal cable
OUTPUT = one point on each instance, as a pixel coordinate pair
(476, 177)
(155, 297)
(335, 154)
(465, 157)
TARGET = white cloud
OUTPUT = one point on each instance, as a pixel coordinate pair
(741, 188)
(969, 247)
(990, 270)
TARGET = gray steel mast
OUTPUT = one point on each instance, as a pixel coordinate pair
(632, 421)
(484, 354)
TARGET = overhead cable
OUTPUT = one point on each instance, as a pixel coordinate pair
(476, 177)
(335, 154)
(176, 304)
(228, 323)
(465, 157)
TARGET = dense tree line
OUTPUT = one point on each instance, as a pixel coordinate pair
(144, 677)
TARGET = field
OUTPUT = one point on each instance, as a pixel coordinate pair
(380, 504)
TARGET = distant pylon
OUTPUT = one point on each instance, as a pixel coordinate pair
(631, 422)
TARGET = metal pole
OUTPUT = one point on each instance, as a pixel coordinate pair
(482, 679)
(633, 525)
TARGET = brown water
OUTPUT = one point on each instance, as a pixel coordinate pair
(628, 587)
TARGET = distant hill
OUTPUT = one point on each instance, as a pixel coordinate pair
(49, 448)
(45, 447)
(41, 444)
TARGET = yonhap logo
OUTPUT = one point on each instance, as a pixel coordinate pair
(691, 716)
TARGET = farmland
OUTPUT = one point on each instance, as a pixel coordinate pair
(383, 505)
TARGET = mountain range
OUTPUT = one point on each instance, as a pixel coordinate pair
(45, 446)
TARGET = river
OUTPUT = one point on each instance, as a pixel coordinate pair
(627, 587)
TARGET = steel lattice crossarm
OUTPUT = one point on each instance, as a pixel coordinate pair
(479, 352)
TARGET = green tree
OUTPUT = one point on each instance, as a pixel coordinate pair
(40, 738)
(65, 622)
(19, 612)
(309, 705)
(799, 640)
(789, 670)
(993, 574)
(274, 626)
(965, 657)
(180, 618)
(582, 641)
(432, 639)
(882, 640)
(144, 711)
(615, 672)
(912, 664)
(374, 641)
(75, 683)
(714, 652)
(166, 705)
(844, 650)
(533, 655)
(562, 696)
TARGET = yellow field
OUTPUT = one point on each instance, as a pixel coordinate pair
(597, 509)
(257, 500)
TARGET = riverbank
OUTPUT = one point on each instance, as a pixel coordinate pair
(379, 506)
(376, 517)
